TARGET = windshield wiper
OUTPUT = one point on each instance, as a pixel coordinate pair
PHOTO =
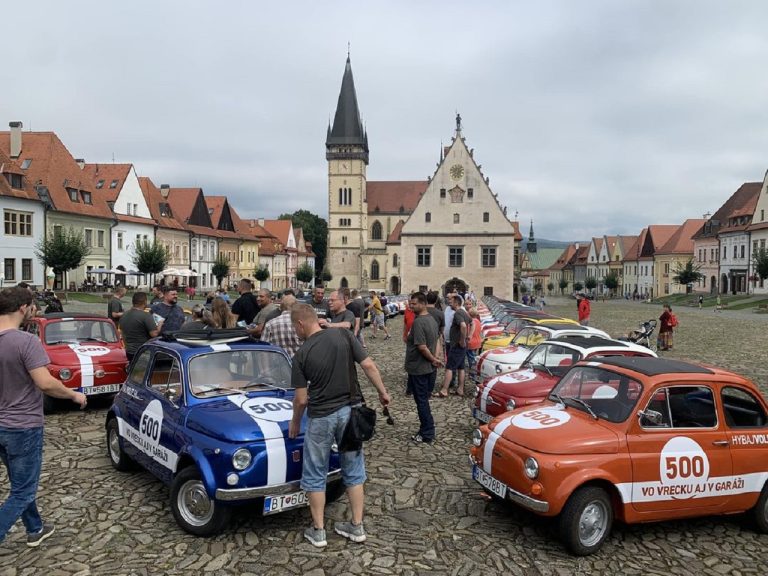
(220, 389)
(557, 398)
(582, 403)
(544, 367)
(62, 342)
(90, 339)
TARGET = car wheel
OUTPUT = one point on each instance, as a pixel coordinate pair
(120, 460)
(335, 491)
(760, 511)
(586, 520)
(192, 508)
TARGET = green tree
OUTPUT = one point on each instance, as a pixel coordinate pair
(315, 230)
(523, 289)
(611, 282)
(261, 273)
(761, 262)
(686, 274)
(563, 284)
(149, 258)
(537, 287)
(62, 252)
(305, 273)
(220, 268)
(550, 287)
(326, 275)
(578, 286)
(590, 283)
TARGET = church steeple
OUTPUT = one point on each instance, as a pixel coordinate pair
(347, 137)
(531, 244)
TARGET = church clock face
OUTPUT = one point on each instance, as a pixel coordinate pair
(457, 171)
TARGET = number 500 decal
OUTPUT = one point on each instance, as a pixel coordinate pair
(542, 418)
(150, 427)
(684, 466)
(683, 461)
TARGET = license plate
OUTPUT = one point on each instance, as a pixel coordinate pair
(105, 389)
(489, 482)
(274, 504)
(480, 415)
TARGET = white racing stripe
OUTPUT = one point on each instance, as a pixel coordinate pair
(86, 367)
(484, 396)
(494, 435)
(156, 451)
(274, 441)
(717, 486)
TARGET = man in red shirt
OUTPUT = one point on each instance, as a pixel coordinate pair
(584, 310)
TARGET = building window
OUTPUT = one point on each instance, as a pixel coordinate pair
(194, 249)
(113, 184)
(424, 256)
(100, 184)
(488, 256)
(376, 231)
(456, 218)
(486, 217)
(394, 260)
(100, 238)
(343, 239)
(375, 270)
(442, 192)
(345, 196)
(742, 250)
(666, 268)
(17, 223)
(735, 251)
(57, 231)
(16, 181)
(470, 193)
(73, 194)
(119, 240)
(345, 222)
(10, 269)
(86, 197)
(213, 251)
(487, 290)
(177, 251)
(26, 269)
(455, 256)
(88, 237)
(428, 217)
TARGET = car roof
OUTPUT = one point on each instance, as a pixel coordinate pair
(655, 366)
(560, 326)
(588, 342)
(71, 315)
(205, 347)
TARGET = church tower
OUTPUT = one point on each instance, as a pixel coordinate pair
(347, 154)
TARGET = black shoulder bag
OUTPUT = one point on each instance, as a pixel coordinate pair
(362, 420)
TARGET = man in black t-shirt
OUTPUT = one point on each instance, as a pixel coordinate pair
(319, 303)
(325, 381)
(245, 307)
(357, 307)
(457, 350)
(340, 317)
(137, 326)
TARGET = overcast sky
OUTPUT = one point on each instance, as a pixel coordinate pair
(589, 117)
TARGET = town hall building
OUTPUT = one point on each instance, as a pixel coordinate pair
(403, 236)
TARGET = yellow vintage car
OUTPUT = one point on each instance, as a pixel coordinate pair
(519, 323)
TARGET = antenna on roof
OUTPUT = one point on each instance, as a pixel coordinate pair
(113, 157)
(349, 48)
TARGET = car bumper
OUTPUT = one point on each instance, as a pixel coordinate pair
(235, 494)
(519, 498)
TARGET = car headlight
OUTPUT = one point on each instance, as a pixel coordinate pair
(531, 468)
(511, 404)
(65, 374)
(477, 437)
(498, 368)
(241, 459)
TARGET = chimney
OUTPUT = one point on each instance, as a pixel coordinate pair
(707, 216)
(80, 162)
(15, 138)
(261, 222)
(165, 189)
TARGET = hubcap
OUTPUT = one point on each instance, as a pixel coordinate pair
(194, 504)
(593, 523)
(114, 446)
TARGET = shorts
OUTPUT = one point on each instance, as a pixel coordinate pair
(456, 357)
(320, 435)
(378, 320)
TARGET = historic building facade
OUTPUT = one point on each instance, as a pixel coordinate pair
(402, 236)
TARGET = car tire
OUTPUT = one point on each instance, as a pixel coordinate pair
(760, 511)
(192, 508)
(586, 520)
(334, 491)
(119, 459)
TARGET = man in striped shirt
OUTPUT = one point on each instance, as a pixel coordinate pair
(279, 331)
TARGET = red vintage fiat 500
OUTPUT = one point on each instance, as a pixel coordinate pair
(673, 440)
(85, 350)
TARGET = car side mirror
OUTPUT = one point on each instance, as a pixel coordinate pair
(651, 416)
(172, 394)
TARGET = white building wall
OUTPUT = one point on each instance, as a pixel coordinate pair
(125, 234)
(17, 247)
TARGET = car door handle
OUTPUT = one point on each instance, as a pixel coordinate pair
(720, 443)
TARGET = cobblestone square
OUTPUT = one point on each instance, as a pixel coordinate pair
(424, 513)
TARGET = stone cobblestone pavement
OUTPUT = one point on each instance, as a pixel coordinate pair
(424, 513)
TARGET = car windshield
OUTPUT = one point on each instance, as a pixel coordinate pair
(529, 337)
(80, 330)
(235, 371)
(552, 358)
(608, 395)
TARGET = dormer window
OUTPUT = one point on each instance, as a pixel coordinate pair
(86, 197)
(73, 194)
(165, 210)
(16, 181)
(113, 184)
(100, 184)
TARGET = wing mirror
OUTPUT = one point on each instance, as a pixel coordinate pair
(652, 417)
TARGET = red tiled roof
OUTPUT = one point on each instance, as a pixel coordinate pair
(394, 236)
(107, 174)
(134, 219)
(746, 195)
(54, 167)
(582, 254)
(612, 242)
(564, 258)
(397, 197)
(660, 235)
(154, 198)
(681, 242)
(8, 166)
(280, 229)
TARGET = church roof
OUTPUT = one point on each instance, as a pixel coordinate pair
(396, 197)
(543, 258)
(394, 236)
(347, 127)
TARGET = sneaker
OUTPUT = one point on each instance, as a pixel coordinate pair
(34, 540)
(356, 533)
(316, 536)
(419, 439)
(386, 337)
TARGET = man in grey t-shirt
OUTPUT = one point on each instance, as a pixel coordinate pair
(24, 378)
(137, 326)
(340, 316)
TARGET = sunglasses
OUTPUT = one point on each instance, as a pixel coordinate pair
(390, 420)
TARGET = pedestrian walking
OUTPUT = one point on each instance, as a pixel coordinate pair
(115, 306)
(280, 331)
(584, 310)
(474, 340)
(137, 326)
(457, 350)
(421, 363)
(357, 307)
(667, 323)
(169, 310)
(701, 301)
(377, 315)
(24, 378)
(326, 385)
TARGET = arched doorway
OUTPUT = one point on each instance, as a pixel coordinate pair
(713, 284)
(724, 284)
(394, 285)
(455, 285)
(344, 283)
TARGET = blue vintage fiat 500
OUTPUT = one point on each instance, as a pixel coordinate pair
(210, 418)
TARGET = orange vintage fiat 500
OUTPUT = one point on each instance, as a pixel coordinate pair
(671, 440)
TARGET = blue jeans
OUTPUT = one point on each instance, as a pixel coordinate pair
(422, 386)
(21, 450)
(320, 435)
